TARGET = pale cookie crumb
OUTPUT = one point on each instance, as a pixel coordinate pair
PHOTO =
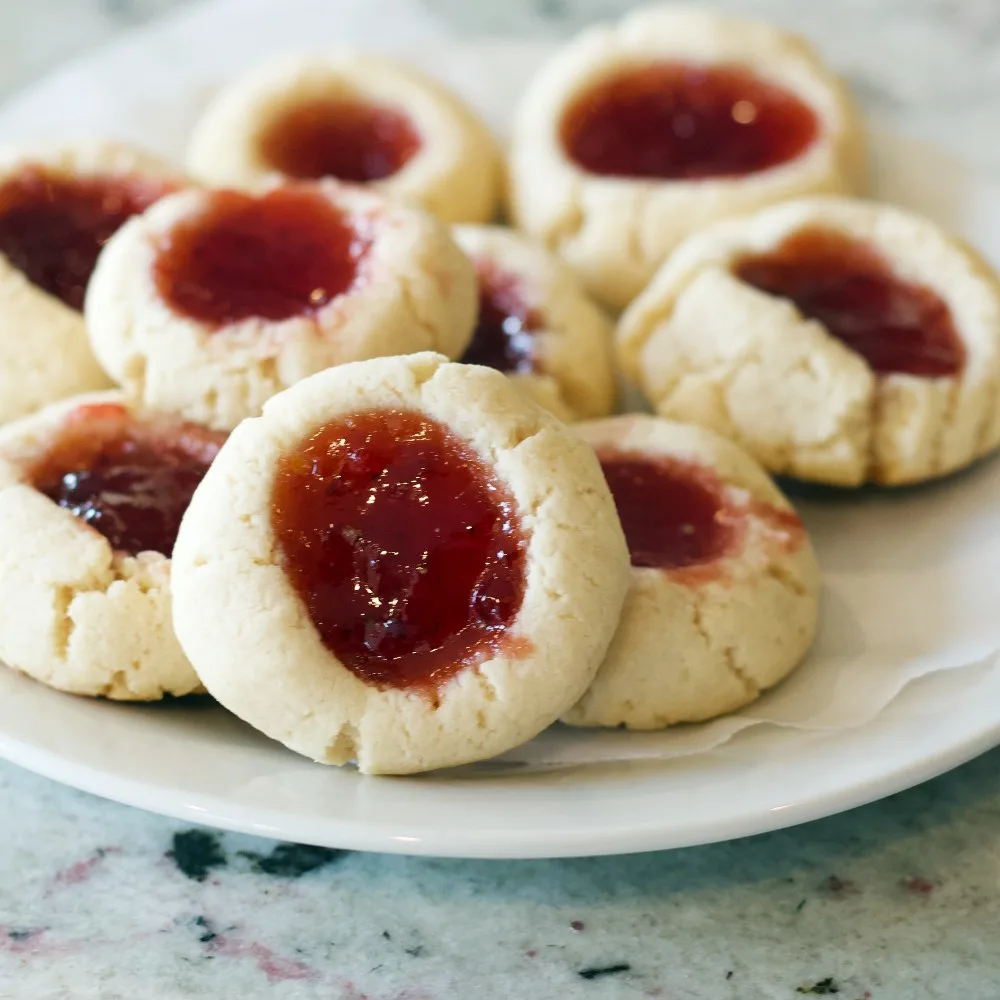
(74, 613)
(44, 352)
(257, 649)
(452, 166)
(705, 638)
(412, 290)
(707, 347)
(616, 230)
(554, 341)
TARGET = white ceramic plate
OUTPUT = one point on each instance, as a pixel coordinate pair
(196, 762)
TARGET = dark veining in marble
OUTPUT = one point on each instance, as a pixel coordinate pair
(292, 860)
(599, 972)
(195, 852)
(207, 934)
(825, 987)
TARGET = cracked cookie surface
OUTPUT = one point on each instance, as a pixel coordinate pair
(705, 345)
(616, 229)
(703, 632)
(538, 325)
(77, 613)
(359, 118)
(236, 318)
(264, 655)
(57, 205)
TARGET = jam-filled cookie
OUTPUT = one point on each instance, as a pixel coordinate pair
(638, 134)
(91, 496)
(403, 562)
(213, 301)
(836, 340)
(724, 593)
(357, 118)
(58, 206)
(537, 325)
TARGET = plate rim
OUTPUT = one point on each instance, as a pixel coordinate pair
(493, 844)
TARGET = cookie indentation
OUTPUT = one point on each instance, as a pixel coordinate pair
(845, 284)
(503, 335)
(404, 546)
(348, 139)
(129, 481)
(284, 254)
(685, 121)
(52, 228)
(674, 513)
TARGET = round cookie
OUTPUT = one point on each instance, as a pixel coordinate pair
(91, 493)
(58, 205)
(638, 134)
(724, 595)
(836, 340)
(537, 325)
(358, 118)
(403, 562)
(213, 301)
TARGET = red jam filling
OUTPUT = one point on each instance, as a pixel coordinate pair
(673, 513)
(403, 545)
(52, 228)
(678, 121)
(503, 335)
(845, 284)
(346, 139)
(130, 481)
(276, 256)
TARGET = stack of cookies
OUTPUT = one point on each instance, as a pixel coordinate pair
(302, 427)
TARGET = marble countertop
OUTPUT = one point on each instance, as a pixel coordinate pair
(896, 901)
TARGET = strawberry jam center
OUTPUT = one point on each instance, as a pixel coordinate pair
(405, 548)
(53, 228)
(673, 513)
(276, 256)
(130, 481)
(349, 140)
(503, 338)
(679, 121)
(846, 285)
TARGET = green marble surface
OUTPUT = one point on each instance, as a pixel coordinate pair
(899, 900)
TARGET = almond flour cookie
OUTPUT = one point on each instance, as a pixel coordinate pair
(724, 595)
(357, 118)
(58, 206)
(836, 340)
(91, 494)
(403, 562)
(638, 134)
(537, 325)
(213, 301)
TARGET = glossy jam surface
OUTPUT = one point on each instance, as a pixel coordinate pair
(52, 228)
(503, 335)
(673, 513)
(405, 548)
(283, 254)
(131, 482)
(678, 121)
(847, 286)
(345, 139)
